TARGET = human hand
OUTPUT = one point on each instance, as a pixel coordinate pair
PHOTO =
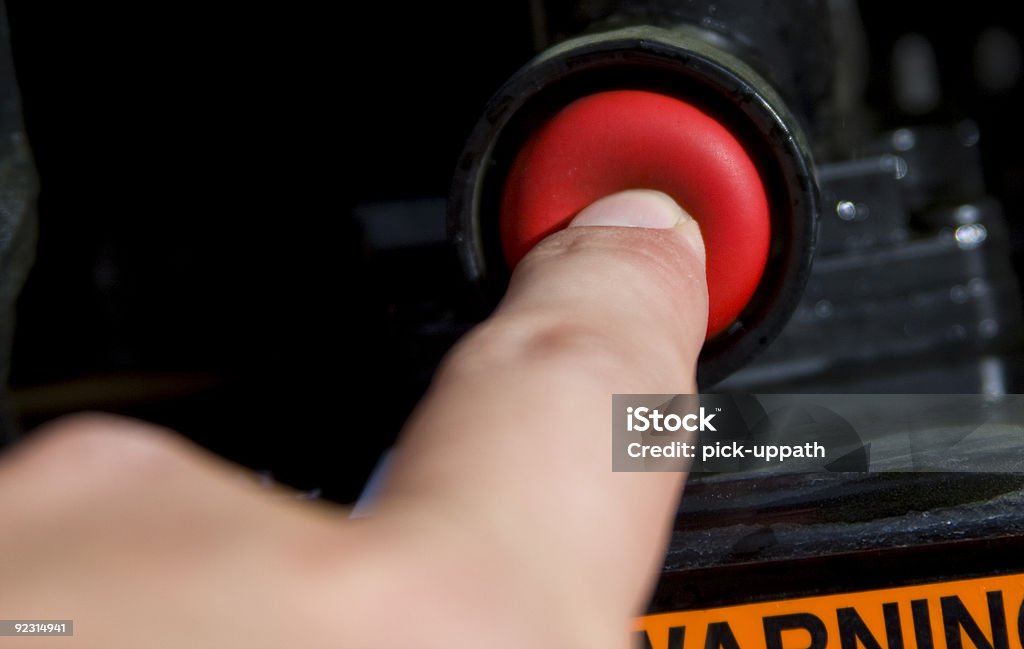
(500, 522)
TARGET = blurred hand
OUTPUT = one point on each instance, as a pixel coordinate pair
(500, 523)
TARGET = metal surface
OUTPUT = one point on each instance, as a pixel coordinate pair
(913, 272)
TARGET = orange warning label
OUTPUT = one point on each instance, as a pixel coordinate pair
(985, 613)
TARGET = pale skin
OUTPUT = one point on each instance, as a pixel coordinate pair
(500, 524)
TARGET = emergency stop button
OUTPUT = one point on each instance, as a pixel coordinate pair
(632, 139)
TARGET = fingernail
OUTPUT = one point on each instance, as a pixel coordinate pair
(635, 208)
(642, 208)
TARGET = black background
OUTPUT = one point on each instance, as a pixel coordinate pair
(199, 166)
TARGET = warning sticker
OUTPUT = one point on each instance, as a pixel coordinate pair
(985, 613)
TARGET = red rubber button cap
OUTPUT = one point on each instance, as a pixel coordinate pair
(630, 139)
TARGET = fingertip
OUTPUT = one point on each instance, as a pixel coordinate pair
(633, 208)
(642, 208)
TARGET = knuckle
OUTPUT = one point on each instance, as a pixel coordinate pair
(536, 341)
(571, 344)
(98, 444)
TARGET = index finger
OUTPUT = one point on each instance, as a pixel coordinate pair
(512, 441)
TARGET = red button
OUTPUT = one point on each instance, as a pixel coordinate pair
(630, 139)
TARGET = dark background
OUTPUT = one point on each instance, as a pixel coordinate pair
(198, 262)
